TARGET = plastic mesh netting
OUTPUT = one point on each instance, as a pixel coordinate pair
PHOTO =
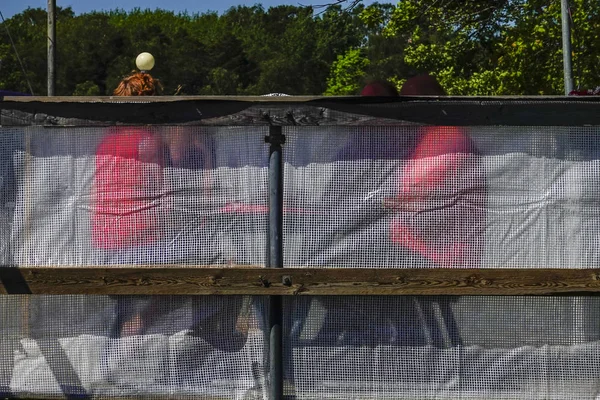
(401, 197)
(442, 196)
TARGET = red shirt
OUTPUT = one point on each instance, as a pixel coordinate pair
(127, 189)
(441, 200)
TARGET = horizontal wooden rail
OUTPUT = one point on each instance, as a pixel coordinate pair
(300, 111)
(197, 280)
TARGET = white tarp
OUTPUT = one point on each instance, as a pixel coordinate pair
(528, 205)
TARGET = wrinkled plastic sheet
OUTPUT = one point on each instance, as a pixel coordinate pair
(539, 209)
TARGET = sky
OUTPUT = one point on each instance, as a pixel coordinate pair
(8, 8)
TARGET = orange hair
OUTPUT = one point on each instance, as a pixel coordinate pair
(138, 84)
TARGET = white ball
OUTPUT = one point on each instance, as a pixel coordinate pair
(144, 61)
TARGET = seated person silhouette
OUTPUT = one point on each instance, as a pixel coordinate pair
(128, 222)
(437, 216)
(441, 192)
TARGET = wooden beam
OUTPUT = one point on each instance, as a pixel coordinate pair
(200, 280)
(300, 111)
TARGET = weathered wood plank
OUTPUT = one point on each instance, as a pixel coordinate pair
(300, 111)
(168, 280)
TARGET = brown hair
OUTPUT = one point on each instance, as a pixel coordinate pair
(422, 85)
(379, 88)
(138, 84)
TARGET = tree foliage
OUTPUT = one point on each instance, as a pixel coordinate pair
(247, 50)
(479, 47)
(495, 47)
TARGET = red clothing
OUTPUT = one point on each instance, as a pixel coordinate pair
(441, 199)
(127, 189)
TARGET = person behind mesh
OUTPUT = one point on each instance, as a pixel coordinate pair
(127, 192)
(130, 220)
(441, 193)
(438, 220)
(129, 178)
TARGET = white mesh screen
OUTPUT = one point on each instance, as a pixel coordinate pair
(139, 196)
(443, 347)
(126, 346)
(441, 196)
(131, 195)
(353, 197)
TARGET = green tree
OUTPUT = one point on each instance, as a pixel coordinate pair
(375, 56)
(501, 47)
(456, 41)
(181, 58)
(281, 44)
(347, 73)
(530, 50)
(29, 32)
(248, 50)
(87, 88)
(232, 71)
(87, 46)
(479, 47)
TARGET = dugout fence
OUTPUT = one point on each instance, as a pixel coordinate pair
(300, 247)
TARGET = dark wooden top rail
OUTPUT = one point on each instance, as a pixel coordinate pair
(300, 111)
(238, 280)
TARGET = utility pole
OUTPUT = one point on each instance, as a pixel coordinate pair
(566, 46)
(51, 46)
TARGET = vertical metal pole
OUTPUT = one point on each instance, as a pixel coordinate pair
(276, 139)
(51, 46)
(566, 46)
(275, 259)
